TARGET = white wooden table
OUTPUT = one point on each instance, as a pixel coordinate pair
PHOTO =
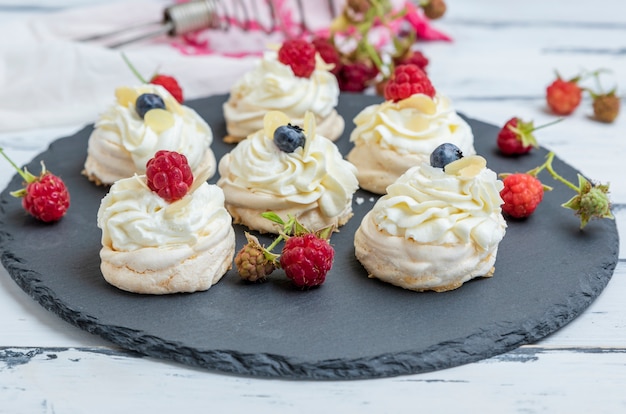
(503, 57)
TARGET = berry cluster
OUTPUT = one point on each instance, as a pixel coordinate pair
(357, 63)
(306, 256)
(564, 96)
(44, 197)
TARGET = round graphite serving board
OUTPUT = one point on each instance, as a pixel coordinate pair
(547, 273)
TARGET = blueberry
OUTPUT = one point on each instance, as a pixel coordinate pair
(289, 137)
(444, 154)
(148, 101)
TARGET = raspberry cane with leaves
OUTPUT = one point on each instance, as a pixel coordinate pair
(45, 197)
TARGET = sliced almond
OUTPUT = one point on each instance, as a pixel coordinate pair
(201, 177)
(309, 130)
(159, 119)
(272, 120)
(125, 96)
(466, 167)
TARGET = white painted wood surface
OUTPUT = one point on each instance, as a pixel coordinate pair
(503, 57)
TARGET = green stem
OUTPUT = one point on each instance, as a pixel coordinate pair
(548, 166)
(275, 243)
(556, 121)
(18, 169)
(132, 68)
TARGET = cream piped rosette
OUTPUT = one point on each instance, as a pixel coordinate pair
(434, 229)
(122, 142)
(390, 138)
(313, 183)
(154, 247)
(272, 85)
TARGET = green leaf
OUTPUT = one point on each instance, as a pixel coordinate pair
(270, 215)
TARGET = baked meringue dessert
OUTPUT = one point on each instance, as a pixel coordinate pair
(391, 137)
(153, 246)
(272, 85)
(290, 171)
(124, 138)
(436, 228)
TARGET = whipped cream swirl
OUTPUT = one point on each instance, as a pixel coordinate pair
(430, 206)
(272, 85)
(132, 217)
(416, 125)
(120, 128)
(257, 174)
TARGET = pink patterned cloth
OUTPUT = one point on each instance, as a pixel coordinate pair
(249, 34)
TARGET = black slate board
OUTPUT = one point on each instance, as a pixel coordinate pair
(352, 327)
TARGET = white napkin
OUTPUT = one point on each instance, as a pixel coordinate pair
(49, 79)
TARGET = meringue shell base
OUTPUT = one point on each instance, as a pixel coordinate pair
(149, 270)
(419, 266)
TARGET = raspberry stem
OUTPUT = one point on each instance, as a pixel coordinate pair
(556, 121)
(548, 166)
(28, 177)
(132, 68)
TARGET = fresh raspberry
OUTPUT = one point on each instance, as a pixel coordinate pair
(170, 84)
(299, 55)
(606, 107)
(45, 197)
(169, 175)
(307, 259)
(355, 76)
(413, 57)
(328, 53)
(563, 97)
(522, 193)
(408, 80)
(252, 261)
(516, 137)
